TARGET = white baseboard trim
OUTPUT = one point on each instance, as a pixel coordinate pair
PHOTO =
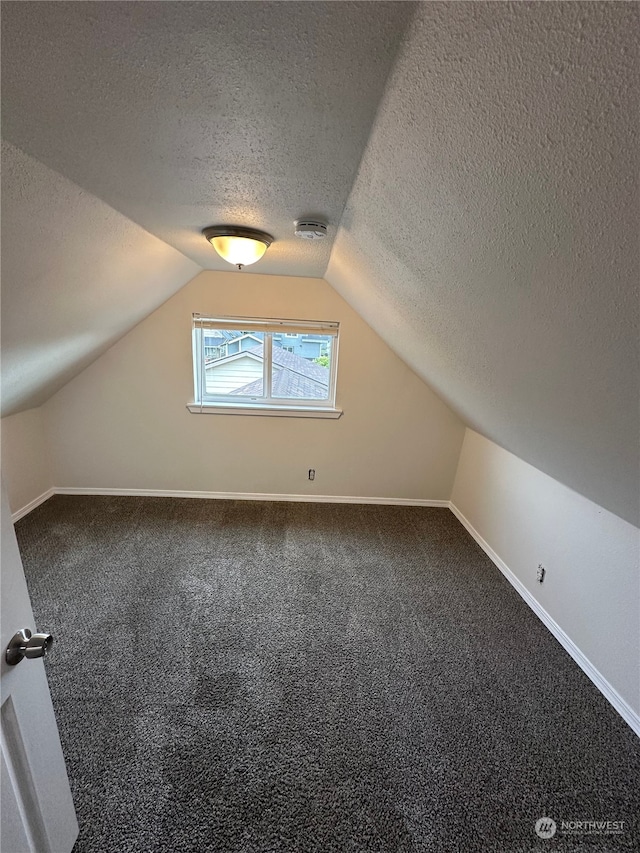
(26, 509)
(610, 693)
(249, 496)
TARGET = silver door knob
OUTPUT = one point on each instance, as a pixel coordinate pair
(24, 644)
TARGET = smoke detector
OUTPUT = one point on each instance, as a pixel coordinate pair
(310, 229)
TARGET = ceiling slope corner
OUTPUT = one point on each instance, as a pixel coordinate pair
(77, 275)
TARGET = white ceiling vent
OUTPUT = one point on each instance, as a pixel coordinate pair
(310, 229)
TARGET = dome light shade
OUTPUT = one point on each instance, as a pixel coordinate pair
(238, 246)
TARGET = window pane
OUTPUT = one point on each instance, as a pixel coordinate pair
(233, 362)
(301, 367)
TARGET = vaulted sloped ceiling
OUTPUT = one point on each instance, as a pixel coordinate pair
(485, 154)
(181, 115)
(134, 125)
(76, 275)
(492, 233)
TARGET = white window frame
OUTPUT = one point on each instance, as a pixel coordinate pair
(204, 403)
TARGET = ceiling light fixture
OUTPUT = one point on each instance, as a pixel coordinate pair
(238, 246)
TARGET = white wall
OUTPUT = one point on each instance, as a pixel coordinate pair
(25, 466)
(592, 557)
(122, 423)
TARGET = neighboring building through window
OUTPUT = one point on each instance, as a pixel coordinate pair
(282, 365)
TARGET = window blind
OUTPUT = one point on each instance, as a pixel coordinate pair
(244, 324)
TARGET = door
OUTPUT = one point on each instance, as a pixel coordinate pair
(37, 809)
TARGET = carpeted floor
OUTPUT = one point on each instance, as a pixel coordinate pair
(254, 677)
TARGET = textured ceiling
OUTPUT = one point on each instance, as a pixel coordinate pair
(491, 235)
(182, 115)
(490, 232)
(76, 276)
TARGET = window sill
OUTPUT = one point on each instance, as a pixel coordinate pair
(264, 411)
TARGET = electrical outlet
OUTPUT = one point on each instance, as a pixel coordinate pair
(541, 573)
(312, 473)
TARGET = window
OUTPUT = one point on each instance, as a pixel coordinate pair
(265, 366)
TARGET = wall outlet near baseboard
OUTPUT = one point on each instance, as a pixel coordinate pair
(312, 473)
(540, 573)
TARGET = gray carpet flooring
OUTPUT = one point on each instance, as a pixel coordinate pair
(251, 677)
